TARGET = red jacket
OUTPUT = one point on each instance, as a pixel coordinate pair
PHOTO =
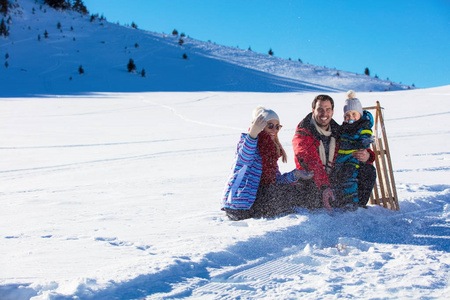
(306, 144)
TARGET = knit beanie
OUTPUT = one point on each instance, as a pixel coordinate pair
(352, 103)
(267, 113)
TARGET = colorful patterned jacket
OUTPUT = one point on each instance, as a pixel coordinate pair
(242, 186)
(354, 137)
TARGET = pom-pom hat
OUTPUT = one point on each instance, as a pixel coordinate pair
(267, 113)
(352, 103)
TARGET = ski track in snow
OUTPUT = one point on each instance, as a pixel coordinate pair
(182, 117)
(57, 168)
(97, 145)
(419, 116)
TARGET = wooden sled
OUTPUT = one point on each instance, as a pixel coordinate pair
(384, 192)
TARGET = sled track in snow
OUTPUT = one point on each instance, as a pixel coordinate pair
(105, 144)
(255, 277)
(70, 166)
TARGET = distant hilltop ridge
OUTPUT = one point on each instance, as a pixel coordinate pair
(66, 52)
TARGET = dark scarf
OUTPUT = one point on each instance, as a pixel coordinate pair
(269, 155)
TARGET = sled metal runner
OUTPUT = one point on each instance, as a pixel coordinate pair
(384, 192)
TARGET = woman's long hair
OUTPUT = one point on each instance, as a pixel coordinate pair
(280, 149)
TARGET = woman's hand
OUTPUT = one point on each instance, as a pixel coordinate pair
(257, 126)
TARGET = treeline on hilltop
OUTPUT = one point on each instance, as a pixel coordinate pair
(76, 5)
(5, 5)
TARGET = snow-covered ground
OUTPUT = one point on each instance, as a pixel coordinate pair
(116, 196)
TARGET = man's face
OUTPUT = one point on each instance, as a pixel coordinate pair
(323, 113)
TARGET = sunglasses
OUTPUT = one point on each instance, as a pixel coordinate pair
(271, 126)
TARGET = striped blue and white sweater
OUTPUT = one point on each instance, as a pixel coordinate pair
(242, 186)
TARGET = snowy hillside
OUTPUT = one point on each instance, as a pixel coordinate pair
(34, 64)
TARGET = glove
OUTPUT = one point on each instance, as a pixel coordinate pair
(301, 174)
(257, 126)
(367, 141)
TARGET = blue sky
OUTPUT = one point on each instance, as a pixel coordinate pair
(405, 41)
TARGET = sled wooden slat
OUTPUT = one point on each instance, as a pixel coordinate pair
(377, 196)
(384, 192)
(388, 199)
(393, 193)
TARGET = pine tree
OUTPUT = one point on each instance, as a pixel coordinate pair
(131, 66)
(4, 7)
(63, 4)
(80, 70)
(79, 6)
(143, 73)
(175, 32)
(270, 52)
(367, 72)
(3, 29)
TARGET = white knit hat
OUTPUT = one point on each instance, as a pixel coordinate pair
(267, 113)
(352, 103)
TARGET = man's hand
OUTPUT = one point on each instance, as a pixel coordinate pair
(301, 174)
(326, 195)
(361, 155)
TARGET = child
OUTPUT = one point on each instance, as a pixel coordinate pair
(356, 134)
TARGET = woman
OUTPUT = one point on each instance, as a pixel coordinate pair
(256, 188)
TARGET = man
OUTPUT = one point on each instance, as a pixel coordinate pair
(316, 144)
